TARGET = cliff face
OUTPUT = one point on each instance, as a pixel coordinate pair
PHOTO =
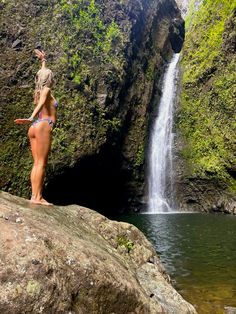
(74, 260)
(107, 57)
(206, 123)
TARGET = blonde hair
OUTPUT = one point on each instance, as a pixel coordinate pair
(44, 77)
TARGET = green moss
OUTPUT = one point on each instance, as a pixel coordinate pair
(18, 290)
(124, 241)
(232, 187)
(204, 38)
(99, 41)
(33, 287)
(150, 71)
(189, 17)
(139, 156)
(208, 93)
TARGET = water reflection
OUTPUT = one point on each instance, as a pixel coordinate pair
(199, 253)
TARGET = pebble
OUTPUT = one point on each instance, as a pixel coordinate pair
(19, 220)
(35, 261)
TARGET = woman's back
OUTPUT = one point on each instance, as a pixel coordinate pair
(49, 109)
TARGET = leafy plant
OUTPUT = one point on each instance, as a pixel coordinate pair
(124, 241)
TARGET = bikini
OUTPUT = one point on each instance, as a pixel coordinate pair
(40, 119)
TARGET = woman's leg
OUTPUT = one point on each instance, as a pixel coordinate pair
(42, 148)
(34, 155)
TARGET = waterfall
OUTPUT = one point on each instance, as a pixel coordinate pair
(160, 183)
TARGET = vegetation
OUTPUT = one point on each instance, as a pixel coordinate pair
(190, 15)
(139, 156)
(90, 41)
(207, 118)
(124, 241)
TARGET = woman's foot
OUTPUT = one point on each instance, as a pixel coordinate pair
(41, 201)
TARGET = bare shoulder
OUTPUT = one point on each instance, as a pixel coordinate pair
(46, 91)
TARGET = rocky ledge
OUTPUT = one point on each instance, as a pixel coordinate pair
(73, 260)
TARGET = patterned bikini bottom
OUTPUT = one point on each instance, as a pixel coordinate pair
(50, 122)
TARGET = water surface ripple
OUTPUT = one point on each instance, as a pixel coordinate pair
(199, 253)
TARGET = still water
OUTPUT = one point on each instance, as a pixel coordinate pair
(198, 252)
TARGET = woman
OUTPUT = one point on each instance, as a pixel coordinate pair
(40, 132)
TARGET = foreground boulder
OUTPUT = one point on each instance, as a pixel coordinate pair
(74, 260)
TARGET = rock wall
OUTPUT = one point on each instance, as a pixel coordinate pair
(205, 123)
(108, 57)
(74, 260)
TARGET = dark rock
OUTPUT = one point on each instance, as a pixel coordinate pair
(177, 34)
(17, 44)
(195, 194)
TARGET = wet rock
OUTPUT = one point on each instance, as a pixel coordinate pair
(204, 195)
(177, 34)
(67, 260)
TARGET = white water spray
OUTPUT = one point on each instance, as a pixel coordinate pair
(160, 160)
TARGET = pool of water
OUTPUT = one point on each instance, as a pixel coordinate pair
(198, 252)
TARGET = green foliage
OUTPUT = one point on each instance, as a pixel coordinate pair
(208, 93)
(204, 38)
(113, 125)
(150, 72)
(124, 241)
(92, 41)
(190, 14)
(232, 187)
(139, 156)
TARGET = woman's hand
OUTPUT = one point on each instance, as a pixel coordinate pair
(23, 121)
(40, 54)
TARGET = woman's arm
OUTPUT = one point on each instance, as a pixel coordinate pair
(43, 97)
(41, 56)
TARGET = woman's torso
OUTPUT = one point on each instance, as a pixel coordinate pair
(49, 109)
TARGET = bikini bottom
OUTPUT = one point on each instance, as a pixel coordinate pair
(50, 122)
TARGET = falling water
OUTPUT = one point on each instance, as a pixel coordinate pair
(160, 160)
